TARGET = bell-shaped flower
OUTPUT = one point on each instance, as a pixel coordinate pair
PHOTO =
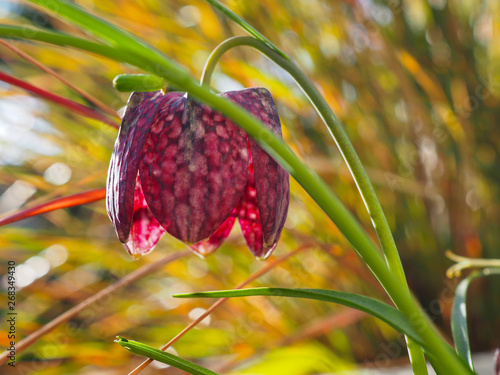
(180, 166)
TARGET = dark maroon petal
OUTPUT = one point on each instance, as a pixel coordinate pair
(212, 243)
(139, 115)
(194, 169)
(146, 230)
(271, 180)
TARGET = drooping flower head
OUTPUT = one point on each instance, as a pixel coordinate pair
(181, 167)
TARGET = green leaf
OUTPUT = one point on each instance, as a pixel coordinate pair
(116, 36)
(159, 355)
(459, 314)
(93, 24)
(62, 39)
(245, 26)
(378, 309)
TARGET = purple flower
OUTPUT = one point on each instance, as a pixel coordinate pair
(181, 167)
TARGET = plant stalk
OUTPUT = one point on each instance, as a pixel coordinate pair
(349, 154)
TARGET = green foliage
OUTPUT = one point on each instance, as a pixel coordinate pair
(459, 324)
(169, 359)
(384, 312)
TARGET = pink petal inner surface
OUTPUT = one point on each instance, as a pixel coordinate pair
(146, 230)
(250, 221)
(212, 243)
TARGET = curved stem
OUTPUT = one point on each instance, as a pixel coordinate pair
(335, 127)
(245, 26)
(349, 154)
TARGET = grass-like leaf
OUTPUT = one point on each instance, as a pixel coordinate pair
(159, 355)
(378, 309)
(142, 53)
(62, 39)
(459, 314)
(245, 26)
(95, 25)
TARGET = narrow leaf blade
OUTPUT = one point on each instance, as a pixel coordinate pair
(459, 315)
(378, 309)
(164, 357)
(123, 40)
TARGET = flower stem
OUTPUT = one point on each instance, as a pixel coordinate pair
(336, 129)
(349, 154)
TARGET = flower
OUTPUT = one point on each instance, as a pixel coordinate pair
(181, 167)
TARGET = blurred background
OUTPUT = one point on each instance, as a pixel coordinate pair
(417, 86)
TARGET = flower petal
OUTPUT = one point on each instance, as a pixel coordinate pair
(212, 243)
(194, 169)
(250, 220)
(139, 115)
(146, 230)
(271, 180)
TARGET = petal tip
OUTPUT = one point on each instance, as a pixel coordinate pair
(266, 254)
(203, 249)
(136, 251)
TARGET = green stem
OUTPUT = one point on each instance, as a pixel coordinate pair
(245, 26)
(335, 127)
(350, 156)
(60, 39)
